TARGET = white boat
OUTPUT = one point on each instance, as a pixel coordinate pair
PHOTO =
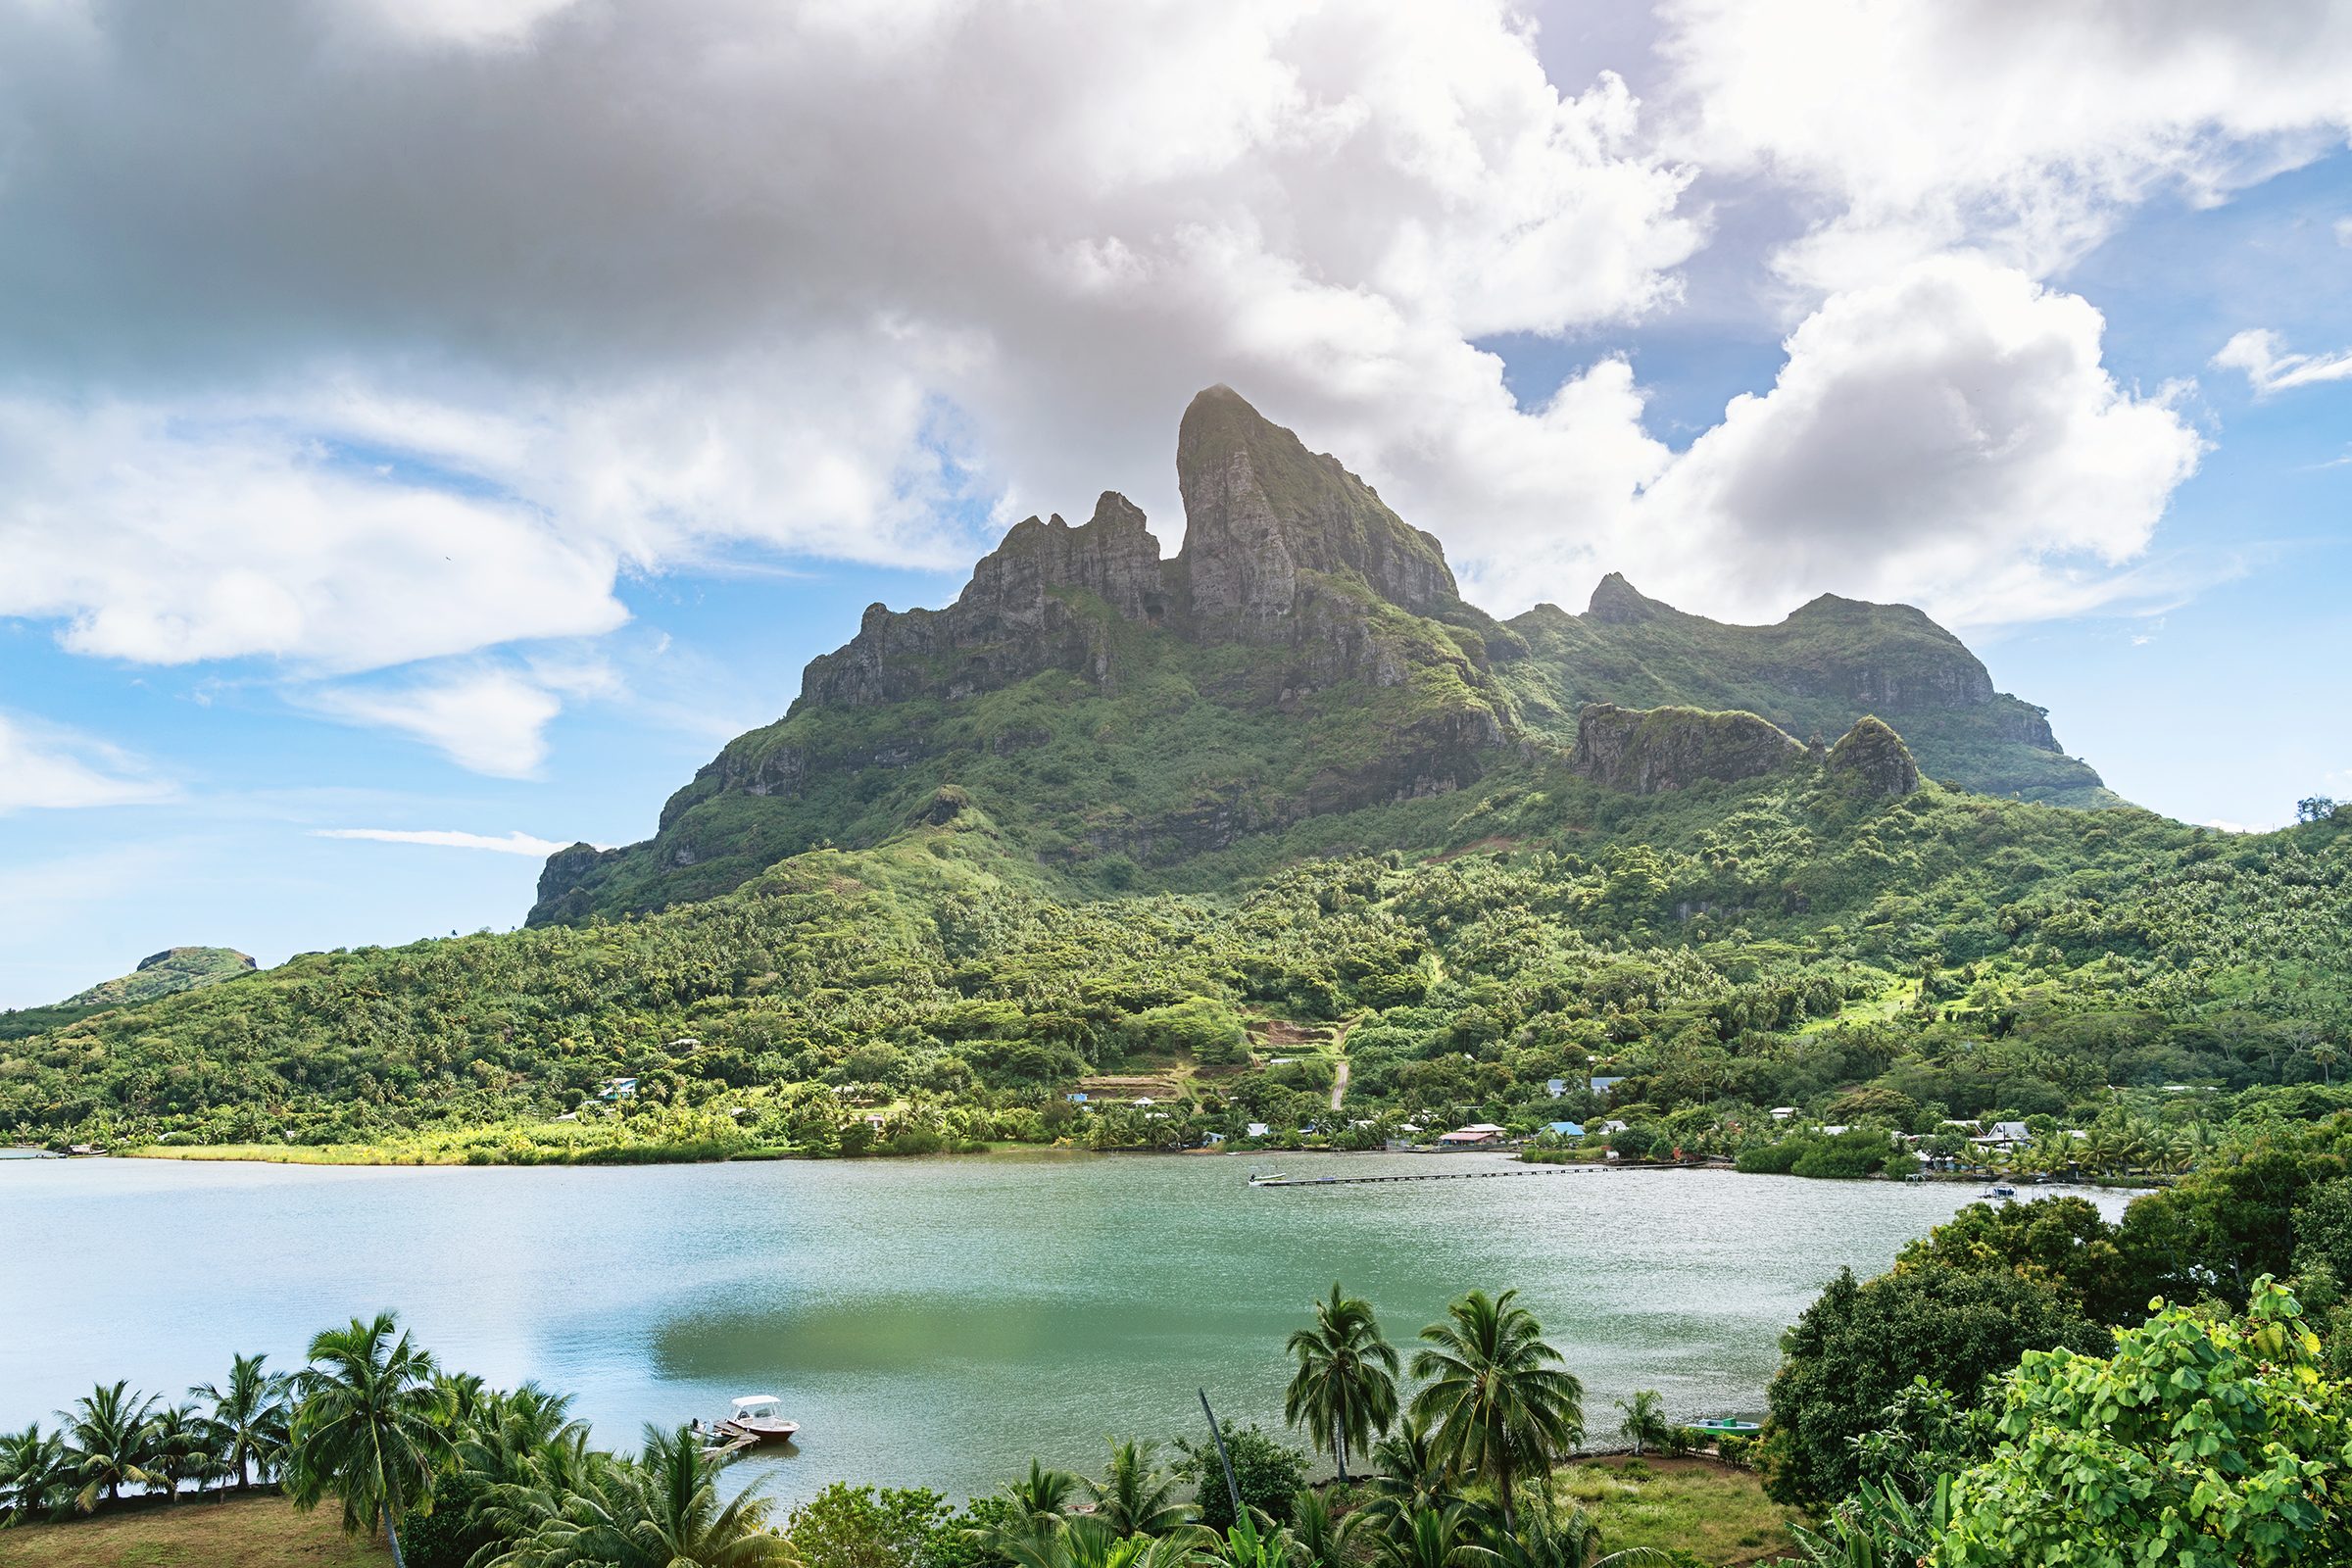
(758, 1417)
(1256, 1180)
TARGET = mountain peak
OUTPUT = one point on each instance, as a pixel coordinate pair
(1260, 510)
(1620, 604)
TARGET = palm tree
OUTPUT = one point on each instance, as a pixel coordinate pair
(1247, 1544)
(1320, 1537)
(35, 1472)
(180, 1448)
(1041, 1499)
(2325, 1058)
(527, 1485)
(1644, 1419)
(1086, 1542)
(458, 1399)
(366, 1428)
(658, 1511)
(247, 1424)
(1409, 1476)
(1570, 1540)
(1346, 1385)
(1432, 1539)
(1037, 1506)
(1135, 1497)
(1497, 1402)
(106, 1439)
(512, 1435)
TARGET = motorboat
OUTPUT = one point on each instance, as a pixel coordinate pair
(758, 1418)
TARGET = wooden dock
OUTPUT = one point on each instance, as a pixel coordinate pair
(1428, 1176)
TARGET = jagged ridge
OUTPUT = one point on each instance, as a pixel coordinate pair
(1306, 652)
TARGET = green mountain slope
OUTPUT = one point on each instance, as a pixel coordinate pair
(161, 973)
(1827, 665)
(1725, 947)
(1129, 722)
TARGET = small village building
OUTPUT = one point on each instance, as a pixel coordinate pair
(1556, 1086)
(1603, 1086)
(1567, 1129)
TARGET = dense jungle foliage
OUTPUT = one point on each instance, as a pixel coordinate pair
(2033, 1383)
(1723, 950)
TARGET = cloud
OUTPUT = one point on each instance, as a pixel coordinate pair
(2021, 130)
(164, 538)
(359, 335)
(601, 288)
(2256, 352)
(514, 843)
(488, 720)
(45, 768)
(1951, 433)
(1951, 437)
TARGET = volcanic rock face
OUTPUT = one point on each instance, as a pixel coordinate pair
(1649, 750)
(1872, 760)
(1315, 654)
(1013, 620)
(1618, 603)
(1261, 510)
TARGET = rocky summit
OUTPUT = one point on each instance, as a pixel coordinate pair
(1114, 713)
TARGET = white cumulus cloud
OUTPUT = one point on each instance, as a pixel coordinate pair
(1950, 434)
(2021, 128)
(353, 335)
(163, 539)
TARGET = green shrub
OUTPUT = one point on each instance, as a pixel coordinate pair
(1267, 1471)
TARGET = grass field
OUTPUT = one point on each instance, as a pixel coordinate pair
(1715, 1513)
(246, 1533)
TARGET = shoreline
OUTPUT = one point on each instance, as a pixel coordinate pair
(361, 1155)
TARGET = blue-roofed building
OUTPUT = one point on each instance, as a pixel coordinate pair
(1567, 1129)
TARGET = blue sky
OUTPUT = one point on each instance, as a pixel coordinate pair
(456, 481)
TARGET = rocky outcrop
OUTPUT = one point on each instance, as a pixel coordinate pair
(1889, 657)
(1871, 759)
(1022, 612)
(1814, 672)
(1616, 602)
(1649, 750)
(163, 975)
(563, 878)
(1261, 512)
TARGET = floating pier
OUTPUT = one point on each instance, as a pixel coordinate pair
(1425, 1176)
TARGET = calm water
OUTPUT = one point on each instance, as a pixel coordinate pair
(926, 1321)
